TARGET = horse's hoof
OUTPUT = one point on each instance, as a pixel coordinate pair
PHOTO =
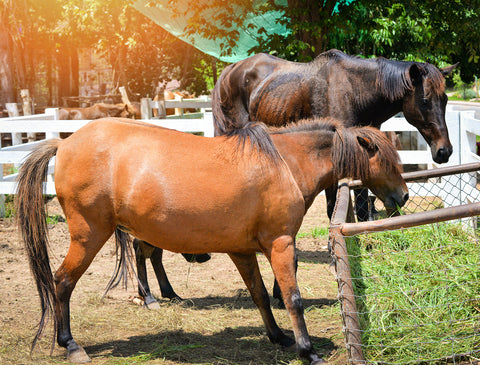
(176, 300)
(78, 356)
(152, 305)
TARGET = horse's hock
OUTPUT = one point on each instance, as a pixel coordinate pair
(408, 285)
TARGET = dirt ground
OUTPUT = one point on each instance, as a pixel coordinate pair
(216, 324)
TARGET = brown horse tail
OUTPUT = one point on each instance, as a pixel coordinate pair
(229, 112)
(32, 223)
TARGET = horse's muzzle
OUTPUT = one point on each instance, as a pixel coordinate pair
(443, 154)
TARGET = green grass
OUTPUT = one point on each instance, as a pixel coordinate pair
(419, 293)
(316, 232)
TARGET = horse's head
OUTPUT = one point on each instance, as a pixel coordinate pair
(367, 154)
(424, 107)
(384, 177)
(130, 111)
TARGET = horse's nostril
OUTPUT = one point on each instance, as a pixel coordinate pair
(405, 197)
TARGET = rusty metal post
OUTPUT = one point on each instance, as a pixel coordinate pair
(344, 211)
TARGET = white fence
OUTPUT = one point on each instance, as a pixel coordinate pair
(463, 129)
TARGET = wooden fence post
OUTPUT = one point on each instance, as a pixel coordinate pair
(123, 92)
(145, 109)
(27, 106)
(55, 112)
(12, 109)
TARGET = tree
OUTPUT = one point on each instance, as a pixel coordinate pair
(432, 30)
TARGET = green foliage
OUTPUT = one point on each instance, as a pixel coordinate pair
(468, 94)
(418, 292)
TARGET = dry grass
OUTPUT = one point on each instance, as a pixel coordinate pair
(217, 323)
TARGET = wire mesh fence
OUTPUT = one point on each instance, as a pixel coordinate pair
(412, 295)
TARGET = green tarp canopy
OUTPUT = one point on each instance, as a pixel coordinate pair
(163, 16)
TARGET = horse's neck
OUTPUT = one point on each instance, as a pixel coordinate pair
(369, 105)
(311, 168)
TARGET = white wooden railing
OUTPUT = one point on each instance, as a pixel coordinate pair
(463, 129)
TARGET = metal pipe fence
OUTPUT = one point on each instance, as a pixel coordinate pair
(408, 284)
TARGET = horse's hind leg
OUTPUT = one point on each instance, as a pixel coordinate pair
(282, 259)
(142, 251)
(83, 248)
(247, 265)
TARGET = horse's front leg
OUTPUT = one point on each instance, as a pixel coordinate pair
(247, 265)
(331, 196)
(165, 286)
(282, 259)
(277, 293)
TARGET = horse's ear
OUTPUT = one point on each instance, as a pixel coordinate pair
(415, 74)
(448, 70)
(366, 143)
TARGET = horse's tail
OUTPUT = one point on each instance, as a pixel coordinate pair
(32, 223)
(124, 254)
(229, 111)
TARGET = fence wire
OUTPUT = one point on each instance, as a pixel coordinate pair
(417, 290)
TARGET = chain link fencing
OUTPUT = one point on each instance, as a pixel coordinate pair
(409, 284)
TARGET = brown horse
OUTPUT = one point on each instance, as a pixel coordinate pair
(100, 110)
(246, 200)
(353, 90)
(382, 142)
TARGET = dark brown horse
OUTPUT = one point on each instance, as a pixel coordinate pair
(245, 201)
(352, 90)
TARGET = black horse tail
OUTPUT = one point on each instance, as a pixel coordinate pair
(31, 218)
(124, 264)
(229, 111)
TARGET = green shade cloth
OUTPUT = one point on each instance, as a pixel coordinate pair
(163, 16)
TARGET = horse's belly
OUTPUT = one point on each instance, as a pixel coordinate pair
(188, 233)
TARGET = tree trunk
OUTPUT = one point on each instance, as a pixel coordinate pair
(74, 72)
(312, 16)
(7, 69)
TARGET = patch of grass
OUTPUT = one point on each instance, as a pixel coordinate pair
(418, 293)
(316, 232)
(54, 219)
(9, 206)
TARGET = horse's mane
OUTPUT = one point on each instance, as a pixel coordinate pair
(392, 77)
(390, 72)
(257, 135)
(349, 158)
(222, 103)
